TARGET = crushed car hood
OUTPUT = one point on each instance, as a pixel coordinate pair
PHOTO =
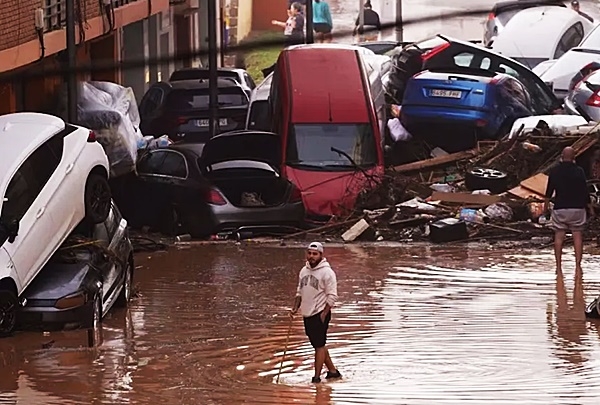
(243, 145)
(330, 193)
(559, 123)
(57, 280)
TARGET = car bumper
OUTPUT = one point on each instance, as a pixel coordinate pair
(229, 218)
(36, 316)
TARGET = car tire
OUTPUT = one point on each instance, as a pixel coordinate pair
(95, 332)
(127, 290)
(97, 199)
(171, 221)
(9, 305)
(486, 179)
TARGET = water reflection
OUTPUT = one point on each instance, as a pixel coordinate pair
(415, 325)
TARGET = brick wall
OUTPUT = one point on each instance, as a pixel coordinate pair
(17, 20)
(17, 24)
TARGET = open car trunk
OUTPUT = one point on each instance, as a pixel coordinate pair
(249, 185)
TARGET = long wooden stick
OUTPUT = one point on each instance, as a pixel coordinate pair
(287, 339)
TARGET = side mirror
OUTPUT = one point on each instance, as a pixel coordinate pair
(9, 231)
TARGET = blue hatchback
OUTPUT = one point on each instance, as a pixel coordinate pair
(454, 109)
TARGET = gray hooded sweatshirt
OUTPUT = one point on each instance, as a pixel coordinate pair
(317, 287)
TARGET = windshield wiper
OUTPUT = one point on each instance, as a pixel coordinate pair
(347, 156)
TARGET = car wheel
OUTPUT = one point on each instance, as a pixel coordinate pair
(9, 305)
(171, 221)
(126, 291)
(486, 179)
(97, 199)
(95, 333)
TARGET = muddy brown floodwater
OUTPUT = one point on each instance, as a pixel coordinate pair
(414, 325)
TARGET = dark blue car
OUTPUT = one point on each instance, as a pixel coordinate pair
(453, 109)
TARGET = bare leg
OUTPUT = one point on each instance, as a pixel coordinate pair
(327, 38)
(559, 239)
(578, 242)
(328, 362)
(320, 355)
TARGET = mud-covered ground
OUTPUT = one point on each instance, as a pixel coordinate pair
(414, 325)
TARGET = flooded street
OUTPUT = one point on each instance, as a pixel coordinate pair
(420, 325)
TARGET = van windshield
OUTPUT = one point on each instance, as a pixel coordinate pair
(310, 145)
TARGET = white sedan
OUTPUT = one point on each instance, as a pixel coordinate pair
(52, 176)
(560, 72)
(538, 34)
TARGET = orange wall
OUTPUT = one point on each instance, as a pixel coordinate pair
(266, 10)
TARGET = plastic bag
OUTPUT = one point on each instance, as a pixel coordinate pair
(111, 111)
(499, 211)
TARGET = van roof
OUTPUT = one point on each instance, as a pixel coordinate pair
(326, 82)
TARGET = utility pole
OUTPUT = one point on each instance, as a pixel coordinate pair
(399, 27)
(310, 33)
(71, 63)
(213, 89)
(361, 19)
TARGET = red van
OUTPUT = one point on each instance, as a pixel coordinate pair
(323, 109)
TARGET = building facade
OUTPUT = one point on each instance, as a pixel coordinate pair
(108, 32)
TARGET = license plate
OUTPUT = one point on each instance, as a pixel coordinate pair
(446, 93)
(204, 123)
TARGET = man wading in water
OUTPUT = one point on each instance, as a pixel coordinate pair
(569, 212)
(316, 295)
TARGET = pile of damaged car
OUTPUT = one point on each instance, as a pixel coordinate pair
(65, 257)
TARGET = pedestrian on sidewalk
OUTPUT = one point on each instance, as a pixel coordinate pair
(315, 297)
(568, 183)
(371, 19)
(577, 8)
(293, 28)
(322, 21)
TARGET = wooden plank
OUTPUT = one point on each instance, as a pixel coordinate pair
(537, 183)
(525, 193)
(437, 161)
(466, 198)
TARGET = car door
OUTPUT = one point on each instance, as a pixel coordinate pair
(164, 173)
(26, 201)
(150, 109)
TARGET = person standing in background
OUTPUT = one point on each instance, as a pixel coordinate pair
(293, 28)
(572, 199)
(577, 8)
(371, 19)
(322, 22)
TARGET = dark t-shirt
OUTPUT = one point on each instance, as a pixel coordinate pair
(569, 182)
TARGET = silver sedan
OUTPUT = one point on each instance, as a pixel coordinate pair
(584, 99)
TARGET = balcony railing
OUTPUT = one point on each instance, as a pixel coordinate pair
(55, 12)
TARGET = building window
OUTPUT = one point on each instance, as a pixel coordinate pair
(55, 14)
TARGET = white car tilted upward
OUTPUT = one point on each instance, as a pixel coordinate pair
(52, 176)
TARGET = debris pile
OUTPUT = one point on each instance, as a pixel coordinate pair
(493, 192)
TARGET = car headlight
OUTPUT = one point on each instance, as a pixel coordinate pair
(71, 301)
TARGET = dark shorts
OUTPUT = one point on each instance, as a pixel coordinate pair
(322, 28)
(316, 330)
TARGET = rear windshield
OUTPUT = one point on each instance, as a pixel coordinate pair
(198, 99)
(505, 16)
(200, 74)
(310, 145)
